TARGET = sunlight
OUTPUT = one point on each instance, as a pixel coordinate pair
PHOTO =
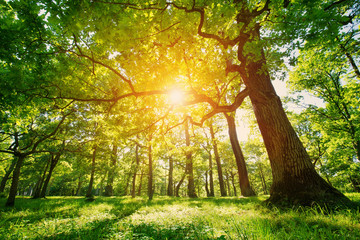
(177, 96)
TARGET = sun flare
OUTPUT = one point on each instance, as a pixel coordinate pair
(176, 96)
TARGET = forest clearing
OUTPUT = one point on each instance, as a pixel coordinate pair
(173, 218)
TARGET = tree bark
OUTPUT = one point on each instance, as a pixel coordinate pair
(233, 183)
(206, 185)
(170, 178)
(245, 186)
(262, 177)
(218, 162)
(189, 164)
(109, 189)
(294, 177)
(92, 175)
(7, 174)
(15, 181)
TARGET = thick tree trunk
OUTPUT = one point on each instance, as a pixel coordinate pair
(170, 179)
(92, 175)
(109, 189)
(218, 162)
(245, 186)
(53, 163)
(7, 174)
(189, 164)
(15, 181)
(294, 177)
(137, 163)
(150, 180)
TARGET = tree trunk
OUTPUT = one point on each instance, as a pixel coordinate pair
(170, 182)
(294, 177)
(206, 185)
(140, 183)
(189, 164)
(218, 163)
(177, 188)
(53, 163)
(262, 177)
(133, 188)
(233, 183)
(7, 174)
(211, 178)
(245, 187)
(90, 188)
(228, 183)
(109, 189)
(78, 188)
(150, 180)
(15, 181)
(39, 184)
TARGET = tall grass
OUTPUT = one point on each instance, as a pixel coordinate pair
(172, 218)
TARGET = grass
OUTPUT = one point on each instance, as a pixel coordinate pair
(172, 218)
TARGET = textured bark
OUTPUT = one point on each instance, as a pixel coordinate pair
(7, 174)
(170, 178)
(218, 162)
(15, 181)
(92, 174)
(245, 186)
(109, 189)
(189, 164)
(294, 177)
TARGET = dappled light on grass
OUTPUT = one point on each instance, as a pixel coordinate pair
(172, 218)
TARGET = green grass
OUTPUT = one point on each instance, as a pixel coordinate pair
(172, 218)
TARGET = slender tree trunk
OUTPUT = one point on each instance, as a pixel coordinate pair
(211, 178)
(38, 187)
(207, 185)
(245, 186)
(92, 175)
(262, 177)
(137, 163)
(294, 177)
(140, 183)
(150, 181)
(53, 163)
(7, 174)
(15, 181)
(189, 164)
(228, 183)
(109, 189)
(218, 162)
(170, 182)
(233, 183)
(78, 189)
(177, 188)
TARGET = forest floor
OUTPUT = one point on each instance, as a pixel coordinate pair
(172, 218)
